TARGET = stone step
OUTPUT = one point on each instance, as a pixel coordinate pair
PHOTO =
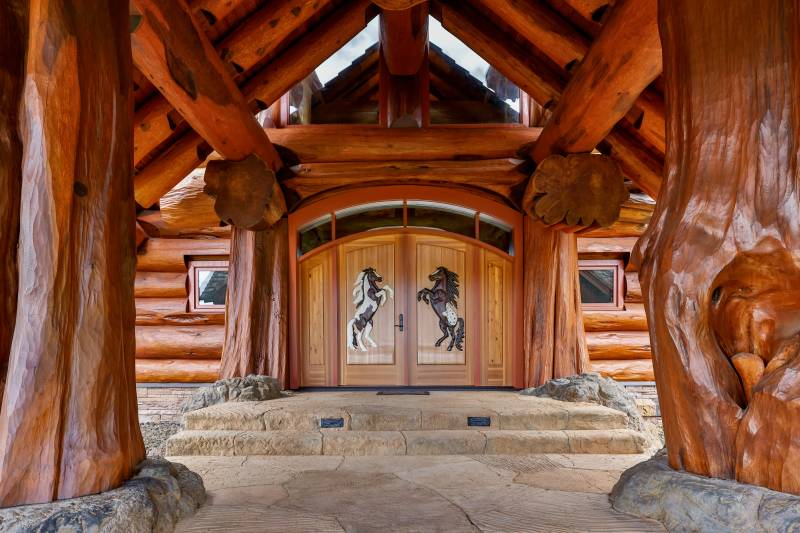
(417, 442)
(269, 416)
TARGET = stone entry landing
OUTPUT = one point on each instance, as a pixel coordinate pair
(443, 423)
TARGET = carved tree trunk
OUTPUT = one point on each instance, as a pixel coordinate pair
(555, 342)
(726, 221)
(13, 37)
(68, 424)
(256, 332)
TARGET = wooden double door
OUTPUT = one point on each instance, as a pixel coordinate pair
(406, 309)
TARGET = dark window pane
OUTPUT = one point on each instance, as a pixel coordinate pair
(496, 233)
(315, 234)
(440, 216)
(368, 217)
(597, 286)
(212, 287)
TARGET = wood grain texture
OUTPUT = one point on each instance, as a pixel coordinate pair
(160, 285)
(714, 212)
(179, 342)
(71, 392)
(177, 370)
(625, 370)
(620, 64)
(632, 318)
(554, 337)
(256, 313)
(618, 345)
(187, 206)
(171, 49)
(169, 255)
(404, 39)
(325, 144)
(13, 36)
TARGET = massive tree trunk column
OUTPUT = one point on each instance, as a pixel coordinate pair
(720, 258)
(13, 37)
(555, 342)
(68, 424)
(256, 332)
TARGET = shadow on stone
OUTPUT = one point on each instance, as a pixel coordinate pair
(686, 502)
(159, 495)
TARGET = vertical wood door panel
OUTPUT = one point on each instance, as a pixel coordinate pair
(316, 320)
(496, 319)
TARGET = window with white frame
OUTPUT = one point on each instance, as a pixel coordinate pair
(601, 284)
(208, 285)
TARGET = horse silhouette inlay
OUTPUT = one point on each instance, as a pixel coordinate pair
(367, 297)
(443, 299)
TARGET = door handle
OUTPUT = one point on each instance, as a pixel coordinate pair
(400, 325)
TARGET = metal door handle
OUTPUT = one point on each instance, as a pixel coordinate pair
(400, 325)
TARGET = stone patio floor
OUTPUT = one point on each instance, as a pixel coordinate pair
(540, 493)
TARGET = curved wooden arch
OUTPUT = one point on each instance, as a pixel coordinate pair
(353, 198)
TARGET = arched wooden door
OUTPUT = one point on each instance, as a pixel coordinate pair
(405, 305)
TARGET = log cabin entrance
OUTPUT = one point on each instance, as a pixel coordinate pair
(403, 289)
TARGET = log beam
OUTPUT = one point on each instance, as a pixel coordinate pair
(256, 335)
(628, 52)
(13, 37)
(177, 370)
(79, 434)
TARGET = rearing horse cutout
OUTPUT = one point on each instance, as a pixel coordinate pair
(443, 299)
(367, 297)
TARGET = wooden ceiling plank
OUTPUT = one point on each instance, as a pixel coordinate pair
(171, 50)
(186, 154)
(624, 59)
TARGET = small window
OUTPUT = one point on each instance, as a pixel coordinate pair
(315, 233)
(496, 233)
(601, 284)
(208, 286)
(368, 217)
(440, 216)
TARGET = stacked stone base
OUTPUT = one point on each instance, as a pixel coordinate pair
(155, 499)
(686, 502)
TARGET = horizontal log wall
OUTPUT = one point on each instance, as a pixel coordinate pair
(172, 343)
(618, 340)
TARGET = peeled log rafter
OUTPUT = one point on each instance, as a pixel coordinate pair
(620, 64)
(187, 206)
(170, 48)
(160, 285)
(179, 342)
(256, 336)
(326, 144)
(177, 370)
(404, 39)
(69, 424)
(246, 193)
(632, 318)
(618, 345)
(576, 190)
(397, 5)
(13, 37)
(626, 370)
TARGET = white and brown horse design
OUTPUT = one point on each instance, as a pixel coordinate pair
(367, 297)
(443, 299)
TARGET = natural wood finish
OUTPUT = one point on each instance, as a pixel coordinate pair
(404, 39)
(69, 424)
(317, 335)
(168, 169)
(632, 318)
(13, 38)
(633, 290)
(622, 245)
(325, 144)
(722, 244)
(177, 370)
(627, 370)
(256, 334)
(160, 285)
(154, 225)
(170, 48)
(618, 345)
(576, 190)
(159, 306)
(497, 175)
(187, 206)
(398, 5)
(246, 193)
(555, 342)
(169, 255)
(179, 342)
(620, 64)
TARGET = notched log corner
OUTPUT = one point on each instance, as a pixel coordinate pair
(246, 193)
(576, 190)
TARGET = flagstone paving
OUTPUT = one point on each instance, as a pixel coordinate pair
(452, 493)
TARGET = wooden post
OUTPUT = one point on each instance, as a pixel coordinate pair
(555, 343)
(68, 425)
(13, 37)
(256, 315)
(720, 258)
